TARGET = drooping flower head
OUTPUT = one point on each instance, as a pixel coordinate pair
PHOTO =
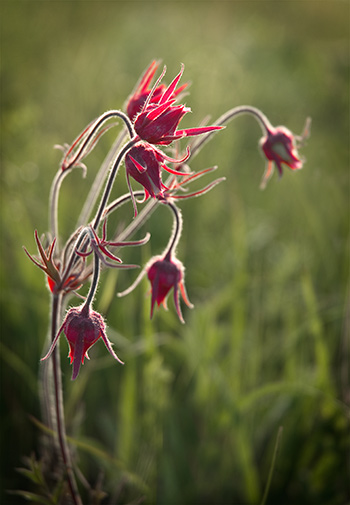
(166, 273)
(82, 328)
(144, 163)
(159, 118)
(280, 146)
(140, 94)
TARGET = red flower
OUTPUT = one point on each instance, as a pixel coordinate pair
(159, 117)
(82, 328)
(165, 274)
(140, 94)
(144, 163)
(279, 146)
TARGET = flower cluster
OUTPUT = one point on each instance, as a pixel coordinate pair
(151, 120)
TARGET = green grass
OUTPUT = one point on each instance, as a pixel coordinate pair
(194, 415)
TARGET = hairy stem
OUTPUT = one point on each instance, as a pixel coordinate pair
(97, 184)
(227, 117)
(110, 181)
(177, 229)
(53, 210)
(58, 405)
(94, 283)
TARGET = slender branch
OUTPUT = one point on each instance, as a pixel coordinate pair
(227, 117)
(53, 202)
(110, 181)
(58, 404)
(88, 135)
(97, 184)
(94, 283)
(177, 230)
(272, 467)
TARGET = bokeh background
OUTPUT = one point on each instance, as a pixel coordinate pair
(194, 415)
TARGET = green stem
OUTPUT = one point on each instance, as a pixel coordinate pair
(272, 467)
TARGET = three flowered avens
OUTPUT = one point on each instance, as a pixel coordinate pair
(156, 148)
(280, 147)
(82, 328)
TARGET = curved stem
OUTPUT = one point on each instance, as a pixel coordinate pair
(91, 130)
(228, 116)
(177, 230)
(110, 181)
(265, 124)
(120, 201)
(94, 283)
(58, 405)
(97, 184)
(53, 202)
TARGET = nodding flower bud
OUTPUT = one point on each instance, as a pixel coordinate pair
(82, 328)
(280, 146)
(142, 164)
(165, 274)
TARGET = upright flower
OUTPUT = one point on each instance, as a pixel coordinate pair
(159, 118)
(166, 273)
(82, 328)
(280, 146)
(140, 94)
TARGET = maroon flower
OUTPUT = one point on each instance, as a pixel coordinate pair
(159, 117)
(279, 146)
(165, 274)
(82, 328)
(144, 163)
(140, 94)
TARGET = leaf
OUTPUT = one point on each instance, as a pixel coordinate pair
(33, 497)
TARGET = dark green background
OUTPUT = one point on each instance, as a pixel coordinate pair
(195, 412)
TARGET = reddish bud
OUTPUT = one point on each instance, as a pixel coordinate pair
(82, 328)
(279, 146)
(166, 274)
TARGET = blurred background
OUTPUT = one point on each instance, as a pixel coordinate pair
(194, 415)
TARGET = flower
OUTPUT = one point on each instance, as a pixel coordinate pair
(164, 274)
(140, 94)
(52, 268)
(144, 163)
(82, 328)
(280, 146)
(159, 117)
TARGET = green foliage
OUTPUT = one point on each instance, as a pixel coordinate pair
(194, 415)
(44, 495)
